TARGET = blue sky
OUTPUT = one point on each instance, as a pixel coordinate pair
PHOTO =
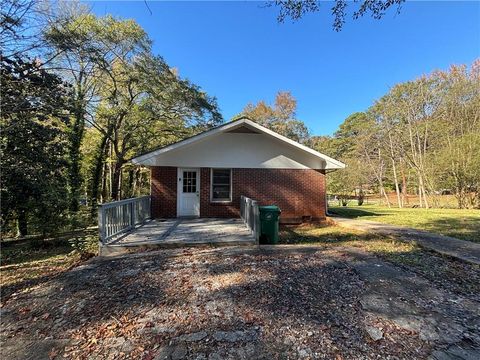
(238, 52)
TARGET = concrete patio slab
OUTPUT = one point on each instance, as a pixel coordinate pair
(182, 232)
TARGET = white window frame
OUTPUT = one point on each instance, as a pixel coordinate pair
(211, 187)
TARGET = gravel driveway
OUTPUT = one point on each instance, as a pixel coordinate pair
(286, 302)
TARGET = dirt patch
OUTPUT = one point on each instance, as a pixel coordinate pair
(227, 303)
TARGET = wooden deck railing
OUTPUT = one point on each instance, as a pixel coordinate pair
(117, 217)
(251, 216)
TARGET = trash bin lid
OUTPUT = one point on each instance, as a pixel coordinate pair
(269, 208)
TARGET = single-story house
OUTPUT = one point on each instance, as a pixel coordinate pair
(205, 175)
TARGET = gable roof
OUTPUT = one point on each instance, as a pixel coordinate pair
(239, 125)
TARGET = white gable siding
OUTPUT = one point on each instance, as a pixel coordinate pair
(238, 150)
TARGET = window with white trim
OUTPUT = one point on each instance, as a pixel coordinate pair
(221, 185)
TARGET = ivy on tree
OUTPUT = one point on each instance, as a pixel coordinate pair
(35, 112)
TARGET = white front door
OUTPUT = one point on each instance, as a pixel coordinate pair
(188, 192)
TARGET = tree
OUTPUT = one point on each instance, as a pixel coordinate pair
(16, 16)
(348, 133)
(145, 104)
(35, 112)
(123, 97)
(86, 47)
(347, 146)
(349, 183)
(423, 132)
(456, 152)
(296, 9)
(385, 112)
(281, 117)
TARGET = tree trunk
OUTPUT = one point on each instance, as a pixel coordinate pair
(76, 135)
(110, 170)
(360, 196)
(104, 192)
(75, 141)
(425, 200)
(98, 174)
(137, 181)
(397, 188)
(394, 168)
(459, 194)
(404, 186)
(116, 178)
(22, 222)
(419, 191)
(422, 193)
(130, 183)
(384, 193)
(120, 185)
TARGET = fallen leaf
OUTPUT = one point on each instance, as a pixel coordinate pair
(52, 354)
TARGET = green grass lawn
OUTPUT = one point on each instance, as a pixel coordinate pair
(462, 224)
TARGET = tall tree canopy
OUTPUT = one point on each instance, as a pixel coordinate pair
(422, 136)
(35, 113)
(87, 46)
(76, 106)
(280, 117)
(146, 105)
(16, 16)
(130, 96)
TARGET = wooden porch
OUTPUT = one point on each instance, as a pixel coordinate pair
(126, 225)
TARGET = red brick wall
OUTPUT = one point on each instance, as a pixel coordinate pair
(298, 193)
(163, 187)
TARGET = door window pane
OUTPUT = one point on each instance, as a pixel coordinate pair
(189, 181)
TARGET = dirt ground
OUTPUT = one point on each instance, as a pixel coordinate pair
(287, 302)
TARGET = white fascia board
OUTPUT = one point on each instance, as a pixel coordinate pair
(330, 162)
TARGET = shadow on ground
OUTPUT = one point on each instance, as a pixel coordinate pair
(446, 272)
(322, 234)
(460, 228)
(355, 213)
(224, 303)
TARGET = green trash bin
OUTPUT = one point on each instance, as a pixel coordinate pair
(269, 219)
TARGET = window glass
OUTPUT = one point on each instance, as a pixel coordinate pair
(221, 184)
(189, 181)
